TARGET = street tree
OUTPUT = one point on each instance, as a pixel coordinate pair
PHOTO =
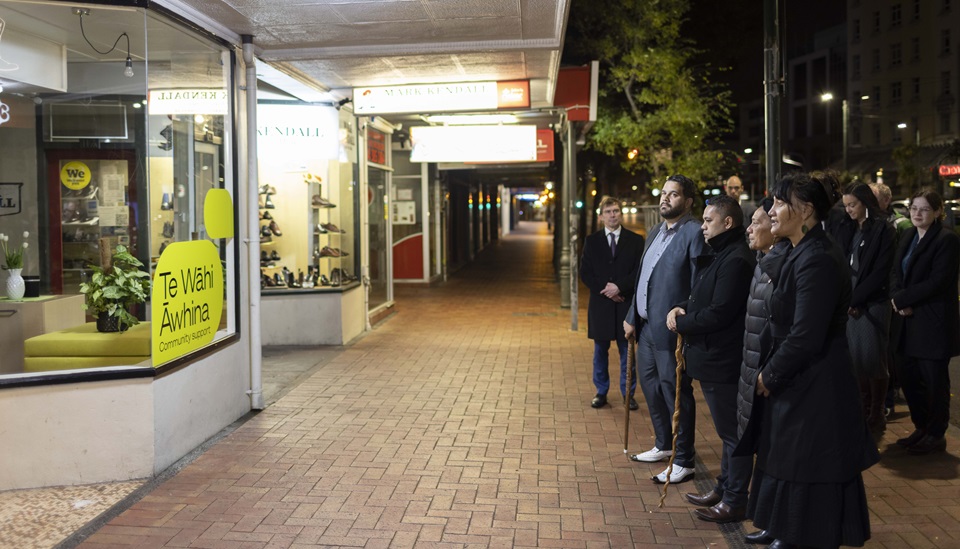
(660, 111)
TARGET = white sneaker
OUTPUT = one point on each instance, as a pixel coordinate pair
(678, 475)
(651, 456)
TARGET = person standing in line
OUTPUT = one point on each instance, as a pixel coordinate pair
(809, 434)
(711, 323)
(756, 336)
(866, 240)
(608, 268)
(925, 296)
(900, 225)
(733, 188)
(664, 279)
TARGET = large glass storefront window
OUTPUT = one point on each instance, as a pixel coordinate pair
(115, 124)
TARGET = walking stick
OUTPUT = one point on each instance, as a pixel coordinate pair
(631, 362)
(676, 417)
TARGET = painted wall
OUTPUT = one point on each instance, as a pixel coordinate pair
(76, 433)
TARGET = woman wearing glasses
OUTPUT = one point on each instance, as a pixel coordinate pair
(925, 296)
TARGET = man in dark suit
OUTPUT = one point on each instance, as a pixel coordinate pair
(608, 266)
(711, 322)
(663, 280)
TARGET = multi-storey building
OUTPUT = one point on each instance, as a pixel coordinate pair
(902, 79)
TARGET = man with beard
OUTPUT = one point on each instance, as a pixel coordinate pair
(665, 278)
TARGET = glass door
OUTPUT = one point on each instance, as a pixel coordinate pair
(378, 216)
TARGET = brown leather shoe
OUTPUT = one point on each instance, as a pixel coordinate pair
(722, 513)
(709, 499)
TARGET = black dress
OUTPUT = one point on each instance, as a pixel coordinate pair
(812, 441)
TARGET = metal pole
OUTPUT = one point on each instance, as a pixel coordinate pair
(563, 231)
(845, 115)
(772, 80)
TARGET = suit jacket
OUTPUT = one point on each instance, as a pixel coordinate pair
(713, 325)
(812, 427)
(598, 267)
(671, 279)
(929, 286)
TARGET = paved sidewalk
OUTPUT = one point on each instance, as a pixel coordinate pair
(464, 421)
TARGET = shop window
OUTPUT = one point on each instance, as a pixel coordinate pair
(896, 56)
(896, 93)
(895, 16)
(98, 163)
(309, 230)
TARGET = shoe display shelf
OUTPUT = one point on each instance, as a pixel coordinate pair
(80, 233)
(270, 268)
(326, 270)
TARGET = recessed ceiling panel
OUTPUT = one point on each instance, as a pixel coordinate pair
(445, 9)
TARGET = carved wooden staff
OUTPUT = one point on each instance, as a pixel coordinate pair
(631, 363)
(676, 417)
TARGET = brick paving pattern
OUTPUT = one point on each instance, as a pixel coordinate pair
(464, 421)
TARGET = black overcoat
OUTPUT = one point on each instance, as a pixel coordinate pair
(812, 427)
(712, 327)
(876, 258)
(929, 286)
(597, 267)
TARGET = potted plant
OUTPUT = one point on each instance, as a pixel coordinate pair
(110, 292)
(13, 262)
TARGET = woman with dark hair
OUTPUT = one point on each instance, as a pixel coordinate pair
(866, 241)
(925, 296)
(811, 442)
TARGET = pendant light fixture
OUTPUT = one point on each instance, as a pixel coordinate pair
(128, 65)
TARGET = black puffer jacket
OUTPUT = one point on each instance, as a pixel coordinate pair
(756, 336)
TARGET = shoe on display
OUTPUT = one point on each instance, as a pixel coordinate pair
(324, 281)
(678, 475)
(322, 202)
(165, 203)
(164, 246)
(265, 231)
(335, 277)
(266, 216)
(333, 228)
(274, 255)
(327, 251)
(652, 455)
(267, 203)
(321, 229)
(278, 280)
(275, 229)
(264, 256)
(167, 229)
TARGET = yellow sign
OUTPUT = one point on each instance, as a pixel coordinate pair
(75, 175)
(218, 213)
(187, 299)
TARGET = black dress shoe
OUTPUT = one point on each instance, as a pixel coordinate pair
(599, 401)
(761, 537)
(709, 499)
(633, 404)
(777, 544)
(722, 513)
(928, 445)
(912, 439)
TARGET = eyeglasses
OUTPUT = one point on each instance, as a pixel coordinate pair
(917, 209)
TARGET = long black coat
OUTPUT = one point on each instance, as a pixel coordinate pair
(876, 258)
(597, 267)
(812, 428)
(930, 287)
(712, 327)
(756, 333)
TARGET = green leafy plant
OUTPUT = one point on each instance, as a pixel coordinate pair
(115, 289)
(13, 259)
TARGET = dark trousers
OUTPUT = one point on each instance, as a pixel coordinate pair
(657, 374)
(601, 367)
(734, 480)
(926, 386)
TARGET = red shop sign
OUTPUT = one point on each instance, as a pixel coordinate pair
(376, 146)
(950, 169)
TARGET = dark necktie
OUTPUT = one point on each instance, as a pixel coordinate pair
(613, 244)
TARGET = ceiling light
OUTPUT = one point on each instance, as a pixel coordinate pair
(471, 119)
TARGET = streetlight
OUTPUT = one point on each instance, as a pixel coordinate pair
(845, 122)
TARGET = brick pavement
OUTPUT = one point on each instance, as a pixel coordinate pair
(464, 421)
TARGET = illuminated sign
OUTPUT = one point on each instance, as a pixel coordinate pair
(289, 135)
(187, 299)
(210, 101)
(950, 169)
(456, 96)
(473, 143)
(545, 146)
(75, 175)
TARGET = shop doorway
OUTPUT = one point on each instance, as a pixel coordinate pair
(381, 241)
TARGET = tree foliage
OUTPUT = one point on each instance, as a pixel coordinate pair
(653, 98)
